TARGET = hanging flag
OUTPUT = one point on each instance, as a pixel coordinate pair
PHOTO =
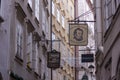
(78, 34)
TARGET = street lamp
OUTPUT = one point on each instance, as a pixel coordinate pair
(91, 69)
(85, 77)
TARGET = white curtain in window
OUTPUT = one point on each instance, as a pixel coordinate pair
(37, 5)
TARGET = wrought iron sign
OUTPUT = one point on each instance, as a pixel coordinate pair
(53, 59)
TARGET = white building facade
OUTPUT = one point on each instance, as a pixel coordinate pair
(107, 39)
(85, 13)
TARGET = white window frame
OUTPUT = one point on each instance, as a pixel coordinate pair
(19, 39)
(37, 10)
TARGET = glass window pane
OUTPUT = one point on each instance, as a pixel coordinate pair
(19, 39)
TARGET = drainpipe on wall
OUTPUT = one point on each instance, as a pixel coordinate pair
(98, 25)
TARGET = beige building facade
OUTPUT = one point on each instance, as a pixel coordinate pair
(62, 11)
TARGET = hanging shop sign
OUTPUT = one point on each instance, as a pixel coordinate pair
(78, 34)
(53, 59)
(87, 58)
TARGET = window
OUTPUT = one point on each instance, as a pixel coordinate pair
(63, 21)
(45, 27)
(37, 5)
(108, 69)
(1, 18)
(19, 40)
(58, 15)
(116, 4)
(53, 8)
(67, 5)
(40, 66)
(108, 11)
(43, 20)
(35, 51)
(36, 58)
(30, 3)
(71, 11)
(29, 50)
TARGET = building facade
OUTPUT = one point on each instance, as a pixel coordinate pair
(24, 35)
(62, 11)
(107, 17)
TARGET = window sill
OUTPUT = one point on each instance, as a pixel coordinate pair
(29, 9)
(36, 21)
(19, 60)
(36, 75)
(29, 69)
